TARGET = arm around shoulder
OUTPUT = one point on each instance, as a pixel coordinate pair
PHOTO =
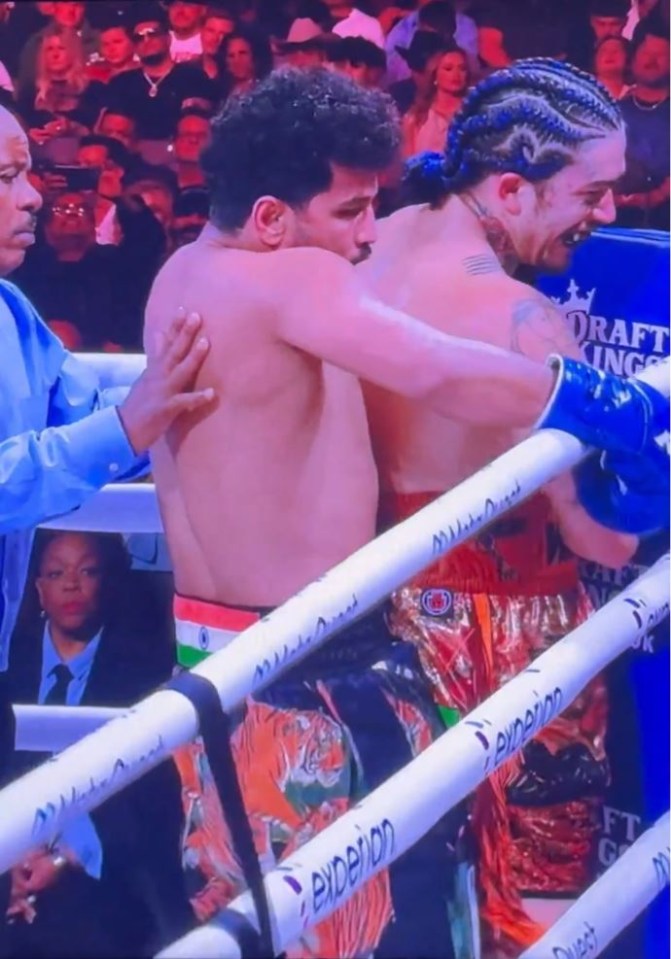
(324, 309)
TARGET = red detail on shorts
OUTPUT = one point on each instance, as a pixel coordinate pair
(213, 614)
(509, 558)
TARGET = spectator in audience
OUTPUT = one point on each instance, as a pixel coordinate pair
(119, 125)
(217, 25)
(422, 58)
(117, 53)
(190, 214)
(84, 650)
(347, 20)
(101, 290)
(608, 18)
(610, 65)
(111, 160)
(193, 134)
(186, 21)
(155, 93)
(81, 583)
(305, 46)
(360, 59)
(463, 32)
(245, 57)
(643, 193)
(68, 15)
(63, 101)
(425, 125)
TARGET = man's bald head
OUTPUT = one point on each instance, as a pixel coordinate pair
(19, 200)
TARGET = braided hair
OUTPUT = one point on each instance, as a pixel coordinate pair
(528, 119)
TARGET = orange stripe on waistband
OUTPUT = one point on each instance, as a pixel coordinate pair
(213, 614)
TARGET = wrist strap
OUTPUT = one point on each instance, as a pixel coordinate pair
(215, 730)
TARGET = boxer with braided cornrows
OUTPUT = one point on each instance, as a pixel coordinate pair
(527, 174)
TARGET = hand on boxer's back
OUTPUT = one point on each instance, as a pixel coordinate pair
(166, 388)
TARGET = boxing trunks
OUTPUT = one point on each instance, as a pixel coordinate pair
(308, 747)
(477, 618)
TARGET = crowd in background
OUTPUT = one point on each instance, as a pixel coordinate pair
(116, 97)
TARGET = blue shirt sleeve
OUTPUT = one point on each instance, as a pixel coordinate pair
(75, 442)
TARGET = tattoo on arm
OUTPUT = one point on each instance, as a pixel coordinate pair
(482, 264)
(539, 329)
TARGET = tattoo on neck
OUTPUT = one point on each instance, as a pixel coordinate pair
(495, 233)
(482, 264)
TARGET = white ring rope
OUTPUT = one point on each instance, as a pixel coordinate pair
(613, 901)
(37, 806)
(317, 879)
(46, 729)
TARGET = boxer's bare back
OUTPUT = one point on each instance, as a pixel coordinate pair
(450, 278)
(277, 484)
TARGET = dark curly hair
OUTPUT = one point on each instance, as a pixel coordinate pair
(527, 119)
(283, 137)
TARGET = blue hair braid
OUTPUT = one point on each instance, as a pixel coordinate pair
(528, 118)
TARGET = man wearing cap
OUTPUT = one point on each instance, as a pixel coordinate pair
(464, 35)
(305, 45)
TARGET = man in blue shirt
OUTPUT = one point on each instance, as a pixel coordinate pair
(61, 437)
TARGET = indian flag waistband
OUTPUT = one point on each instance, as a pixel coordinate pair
(204, 628)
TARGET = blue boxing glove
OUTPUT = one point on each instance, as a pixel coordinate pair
(603, 410)
(630, 494)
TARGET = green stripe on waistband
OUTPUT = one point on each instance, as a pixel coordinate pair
(188, 657)
(449, 715)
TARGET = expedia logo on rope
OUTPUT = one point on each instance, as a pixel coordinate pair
(436, 602)
(585, 944)
(500, 744)
(353, 866)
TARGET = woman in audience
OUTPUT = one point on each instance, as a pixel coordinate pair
(425, 124)
(245, 57)
(63, 102)
(84, 896)
(610, 65)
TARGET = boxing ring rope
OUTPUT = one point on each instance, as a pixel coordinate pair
(37, 806)
(44, 729)
(613, 901)
(319, 877)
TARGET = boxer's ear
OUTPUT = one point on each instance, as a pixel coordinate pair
(270, 221)
(511, 190)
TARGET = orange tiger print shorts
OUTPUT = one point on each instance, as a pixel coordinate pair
(309, 747)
